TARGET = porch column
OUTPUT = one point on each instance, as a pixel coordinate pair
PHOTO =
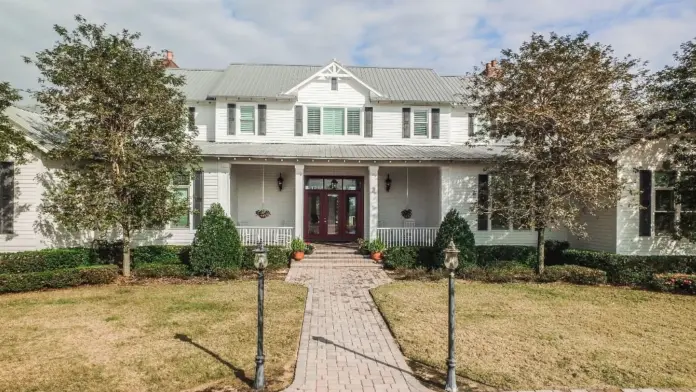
(224, 186)
(373, 188)
(299, 201)
(445, 191)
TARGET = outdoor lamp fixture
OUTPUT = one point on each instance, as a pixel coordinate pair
(388, 182)
(451, 262)
(280, 182)
(334, 184)
(260, 262)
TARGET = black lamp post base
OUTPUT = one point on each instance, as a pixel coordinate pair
(259, 381)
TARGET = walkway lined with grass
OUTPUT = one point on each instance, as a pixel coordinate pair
(345, 343)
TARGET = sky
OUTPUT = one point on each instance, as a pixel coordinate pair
(450, 36)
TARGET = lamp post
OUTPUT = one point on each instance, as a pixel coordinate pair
(451, 262)
(260, 262)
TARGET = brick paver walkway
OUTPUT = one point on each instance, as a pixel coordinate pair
(345, 343)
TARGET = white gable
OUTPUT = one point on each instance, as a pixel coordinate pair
(333, 70)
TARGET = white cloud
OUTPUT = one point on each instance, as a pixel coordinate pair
(449, 35)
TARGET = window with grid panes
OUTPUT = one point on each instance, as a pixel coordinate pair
(314, 120)
(353, 121)
(246, 119)
(665, 211)
(333, 119)
(182, 190)
(420, 122)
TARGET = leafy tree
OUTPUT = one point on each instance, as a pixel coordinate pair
(673, 94)
(562, 107)
(455, 228)
(13, 144)
(122, 122)
(217, 243)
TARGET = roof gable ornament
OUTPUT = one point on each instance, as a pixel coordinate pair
(333, 70)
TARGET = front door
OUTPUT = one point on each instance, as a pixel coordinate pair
(333, 212)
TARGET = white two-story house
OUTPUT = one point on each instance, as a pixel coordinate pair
(337, 153)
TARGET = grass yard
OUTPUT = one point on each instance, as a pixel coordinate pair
(191, 337)
(527, 336)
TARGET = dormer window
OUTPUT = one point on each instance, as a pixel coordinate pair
(334, 84)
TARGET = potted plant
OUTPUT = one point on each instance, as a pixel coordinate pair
(309, 248)
(376, 248)
(263, 213)
(362, 246)
(406, 213)
(298, 249)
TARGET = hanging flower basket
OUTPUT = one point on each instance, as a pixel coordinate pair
(263, 213)
(406, 213)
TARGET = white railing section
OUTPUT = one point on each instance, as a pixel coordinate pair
(280, 236)
(407, 236)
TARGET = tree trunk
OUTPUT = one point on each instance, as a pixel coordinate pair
(126, 255)
(540, 250)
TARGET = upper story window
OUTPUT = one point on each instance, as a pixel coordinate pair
(247, 120)
(334, 84)
(420, 122)
(333, 121)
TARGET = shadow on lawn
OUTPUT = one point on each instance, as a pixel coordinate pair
(239, 373)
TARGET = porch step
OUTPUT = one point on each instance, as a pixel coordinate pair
(336, 255)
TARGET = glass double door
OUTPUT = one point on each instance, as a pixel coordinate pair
(333, 215)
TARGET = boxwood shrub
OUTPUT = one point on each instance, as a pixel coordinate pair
(157, 270)
(407, 257)
(573, 274)
(45, 260)
(492, 254)
(278, 257)
(59, 278)
(630, 270)
(502, 272)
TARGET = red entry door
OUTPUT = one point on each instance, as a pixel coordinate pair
(332, 215)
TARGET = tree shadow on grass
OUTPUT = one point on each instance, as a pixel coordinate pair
(239, 373)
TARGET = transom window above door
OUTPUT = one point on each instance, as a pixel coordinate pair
(333, 183)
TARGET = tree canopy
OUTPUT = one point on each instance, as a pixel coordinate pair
(122, 125)
(562, 107)
(13, 143)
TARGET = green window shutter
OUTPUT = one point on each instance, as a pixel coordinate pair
(482, 218)
(354, 121)
(368, 122)
(420, 123)
(246, 119)
(314, 121)
(197, 198)
(472, 124)
(262, 120)
(231, 116)
(406, 123)
(334, 121)
(7, 196)
(298, 121)
(435, 123)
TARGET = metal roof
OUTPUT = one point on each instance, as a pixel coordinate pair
(36, 129)
(272, 80)
(348, 152)
(458, 85)
(199, 82)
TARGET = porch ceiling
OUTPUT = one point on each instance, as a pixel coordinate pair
(348, 152)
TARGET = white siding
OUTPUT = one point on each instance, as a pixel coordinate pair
(205, 119)
(318, 91)
(459, 191)
(459, 125)
(601, 232)
(423, 196)
(281, 204)
(644, 156)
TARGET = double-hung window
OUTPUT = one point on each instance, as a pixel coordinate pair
(665, 211)
(334, 121)
(182, 190)
(420, 122)
(353, 121)
(314, 120)
(247, 119)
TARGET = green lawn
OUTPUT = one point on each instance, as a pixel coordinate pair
(527, 336)
(147, 338)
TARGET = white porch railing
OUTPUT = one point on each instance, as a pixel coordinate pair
(280, 236)
(407, 236)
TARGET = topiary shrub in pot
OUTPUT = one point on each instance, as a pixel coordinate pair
(376, 248)
(216, 244)
(454, 227)
(298, 249)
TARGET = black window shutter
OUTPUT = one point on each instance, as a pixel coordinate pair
(262, 120)
(645, 213)
(406, 123)
(368, 122)
(298, 120)
(6, 197)
(197, 198)
(472, 124)
(231, 120)
(192, 119)
(483, 202)
(435, 124)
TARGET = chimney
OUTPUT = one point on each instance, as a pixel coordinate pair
(491, 68)
(168, 61)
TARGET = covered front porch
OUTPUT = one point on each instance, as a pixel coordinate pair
(323, 202)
